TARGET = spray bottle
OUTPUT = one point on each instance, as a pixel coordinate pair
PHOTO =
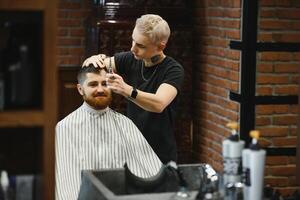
(232, 156)
(253, 166)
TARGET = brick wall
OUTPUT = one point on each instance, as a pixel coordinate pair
(217, 73)
(278, 74)
(71, 31)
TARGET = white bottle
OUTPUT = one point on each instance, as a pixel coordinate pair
(4, 184)
(253, 167)
(232, 156)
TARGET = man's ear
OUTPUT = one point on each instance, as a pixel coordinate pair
(161, 46)
(79, 88)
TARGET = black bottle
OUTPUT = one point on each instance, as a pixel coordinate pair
(21, 80)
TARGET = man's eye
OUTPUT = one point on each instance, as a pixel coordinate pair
(141, 46)
(93, 84)
(104, 83)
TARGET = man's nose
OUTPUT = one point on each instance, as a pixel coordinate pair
(100, 88)
(133, 48)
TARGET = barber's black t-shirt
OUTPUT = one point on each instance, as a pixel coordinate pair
(157, 128)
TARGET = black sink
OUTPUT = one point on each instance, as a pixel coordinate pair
(116, 184)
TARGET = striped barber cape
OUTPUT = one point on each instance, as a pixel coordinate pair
(93, 139)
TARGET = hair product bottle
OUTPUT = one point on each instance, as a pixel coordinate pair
(253, 166)
(232, 156)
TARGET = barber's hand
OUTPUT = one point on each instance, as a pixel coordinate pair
(117, 84)
(96, 61)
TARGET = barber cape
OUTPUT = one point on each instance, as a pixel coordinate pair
(92, 139)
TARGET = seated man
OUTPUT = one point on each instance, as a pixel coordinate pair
(94, 137)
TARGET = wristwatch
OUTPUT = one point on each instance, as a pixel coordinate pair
(133, 93)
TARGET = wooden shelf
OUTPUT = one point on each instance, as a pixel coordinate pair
(33, 120)
(22, 4)
(21, 118)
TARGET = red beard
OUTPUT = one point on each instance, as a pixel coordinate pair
(98, 101)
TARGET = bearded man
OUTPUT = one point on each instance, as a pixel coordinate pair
(95, 137)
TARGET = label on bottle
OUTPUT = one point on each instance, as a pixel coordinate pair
(232, 166)
(246, 177)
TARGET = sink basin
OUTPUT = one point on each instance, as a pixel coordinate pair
(116, 184)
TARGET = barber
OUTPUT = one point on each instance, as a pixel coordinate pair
(152, 86)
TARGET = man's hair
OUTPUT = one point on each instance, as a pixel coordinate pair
(81, 75)
(154, 27)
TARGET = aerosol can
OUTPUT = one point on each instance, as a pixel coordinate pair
(232, 156)
(253, 167)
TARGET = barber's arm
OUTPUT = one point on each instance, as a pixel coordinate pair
(148, 101)
(156, 102)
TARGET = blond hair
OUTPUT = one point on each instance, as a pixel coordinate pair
(154, 27)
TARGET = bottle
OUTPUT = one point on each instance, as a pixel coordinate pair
(232, 156)
(21, 80)
(253, 167)
(4, 184)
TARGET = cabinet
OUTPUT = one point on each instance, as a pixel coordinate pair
(27, 131)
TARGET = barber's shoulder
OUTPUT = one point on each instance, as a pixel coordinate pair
(125, 55)
(175, 68)
(171, 62)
